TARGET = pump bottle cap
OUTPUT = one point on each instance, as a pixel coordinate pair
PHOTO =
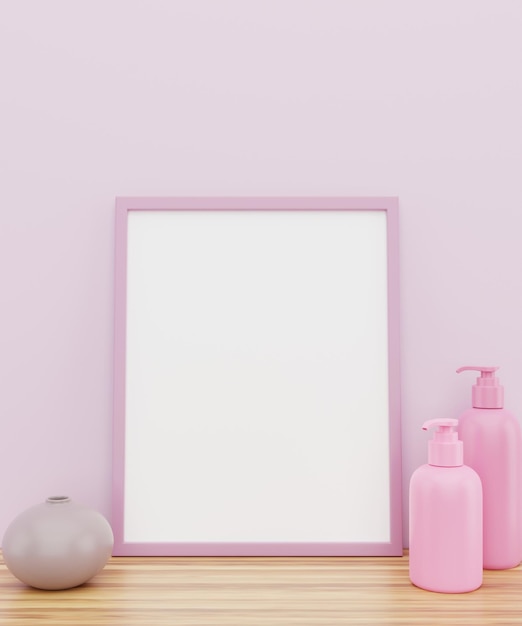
(445, 449)
(488, 393)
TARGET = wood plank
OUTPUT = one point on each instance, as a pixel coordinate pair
(300, 591)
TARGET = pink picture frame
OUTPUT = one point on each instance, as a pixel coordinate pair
(257, 377)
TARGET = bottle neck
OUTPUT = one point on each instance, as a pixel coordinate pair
(58, 499)
(487, 396)
(445, 453)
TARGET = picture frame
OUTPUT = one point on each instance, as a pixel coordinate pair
(257, 377)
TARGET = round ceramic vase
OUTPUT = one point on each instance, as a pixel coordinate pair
(57, 544)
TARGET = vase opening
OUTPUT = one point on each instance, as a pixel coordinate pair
(58, 499)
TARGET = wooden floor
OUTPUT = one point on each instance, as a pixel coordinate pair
(257, 591)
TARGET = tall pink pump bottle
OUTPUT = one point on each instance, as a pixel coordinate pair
(445, 517)
(493, 448)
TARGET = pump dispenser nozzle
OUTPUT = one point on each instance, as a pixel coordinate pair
(445, 449)
(488, 393)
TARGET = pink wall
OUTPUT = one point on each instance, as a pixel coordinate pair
(259, 97)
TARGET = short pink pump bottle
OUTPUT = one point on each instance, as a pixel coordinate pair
(445, 517)
(493, 448)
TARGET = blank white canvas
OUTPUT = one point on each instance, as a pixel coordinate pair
(257, 404)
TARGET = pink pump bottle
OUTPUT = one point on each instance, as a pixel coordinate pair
(493, 448)
(445, 517)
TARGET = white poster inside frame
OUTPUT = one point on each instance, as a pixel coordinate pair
(256, 377)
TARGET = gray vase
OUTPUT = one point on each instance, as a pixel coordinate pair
(57, 544)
